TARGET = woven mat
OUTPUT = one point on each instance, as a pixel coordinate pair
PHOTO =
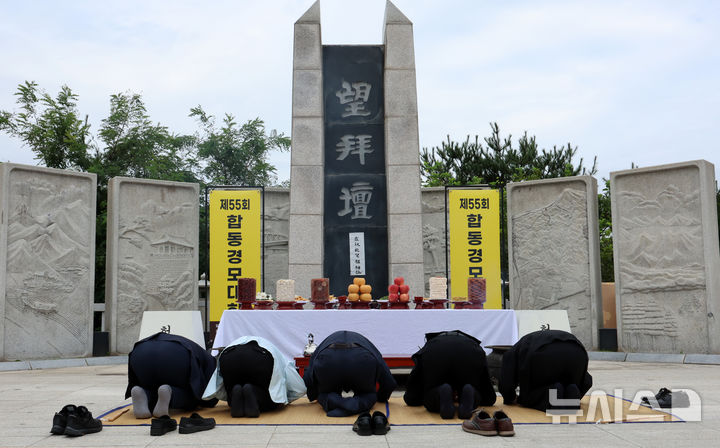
(302, 412)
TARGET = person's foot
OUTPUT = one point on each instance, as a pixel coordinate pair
(555, 394)
(140, 402)
(467, 402)
(163, 403)
(573, 393)
(250, 407)
(237, 402)
(447, 407)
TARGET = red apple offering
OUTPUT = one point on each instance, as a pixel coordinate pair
(393, 297)
(399, 281)
(393, 289)
(404, 298)
(404, 289)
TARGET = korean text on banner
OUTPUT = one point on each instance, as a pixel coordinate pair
(235, 245)
(474, 219)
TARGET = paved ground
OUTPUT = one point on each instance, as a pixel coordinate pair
(29, 398)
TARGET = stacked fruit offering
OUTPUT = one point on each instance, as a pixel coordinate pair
(399, 291)
(359, 291)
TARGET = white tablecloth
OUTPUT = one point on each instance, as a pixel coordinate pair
(394, 332)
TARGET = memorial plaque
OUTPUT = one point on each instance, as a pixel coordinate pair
(47, 262)
(355, 198)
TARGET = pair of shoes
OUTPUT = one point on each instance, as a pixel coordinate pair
(244, 401)
(367, 425)
(81, 422)
(60, 419)
(162, 425)
(195, 423)
(447, 407)
(665, 399)
(481, 423)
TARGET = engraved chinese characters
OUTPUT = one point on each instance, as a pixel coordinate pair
(355, 218)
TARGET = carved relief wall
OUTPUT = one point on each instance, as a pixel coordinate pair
(277, 224)
(662, 245)
(152, 254)
(553, 250)
(48, 262)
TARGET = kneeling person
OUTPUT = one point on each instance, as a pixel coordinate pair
(253, 376)
(347, 361)
(545, 362)
(450, 364)
(168, 371)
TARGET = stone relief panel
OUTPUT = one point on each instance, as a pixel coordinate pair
(50, 263)
(277, 228)
(155, 252)
(550, 251)
(660, 260)
(433, 234)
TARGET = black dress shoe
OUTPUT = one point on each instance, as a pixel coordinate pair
(667, 399)
(60, 419)
(195, 423)
(162, 425)
(81, 422)
(380, 424)
(363, 425)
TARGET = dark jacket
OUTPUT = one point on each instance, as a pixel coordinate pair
(516, 369)
(202, 365)
(451, 357)
(383, 377)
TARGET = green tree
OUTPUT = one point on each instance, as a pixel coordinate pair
(237, 154)
(497, 162)
(50, 127)
(607, 267)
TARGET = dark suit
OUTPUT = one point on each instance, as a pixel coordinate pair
(173, 360)
(346, 361)
(453, 358)
(537, 362)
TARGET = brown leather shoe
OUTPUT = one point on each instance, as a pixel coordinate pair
(504, 424)
(481, 423)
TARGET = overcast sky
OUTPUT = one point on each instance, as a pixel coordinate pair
(628, 82)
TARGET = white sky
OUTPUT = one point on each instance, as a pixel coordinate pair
(630, 82)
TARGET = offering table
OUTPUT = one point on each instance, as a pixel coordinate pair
(396, 333)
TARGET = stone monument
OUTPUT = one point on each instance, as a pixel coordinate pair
(665, 240)
(554, 251)
(152, 253)
(339, 120)
(47, 262)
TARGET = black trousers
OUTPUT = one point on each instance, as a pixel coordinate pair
(248, 364)
(561, 362)
(164, 362)
(339, 370)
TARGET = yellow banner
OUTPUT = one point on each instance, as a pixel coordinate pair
(474, 220)
(235, 245)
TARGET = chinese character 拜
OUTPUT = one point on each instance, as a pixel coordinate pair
(360, 194)
(354, 144)
(354, 96)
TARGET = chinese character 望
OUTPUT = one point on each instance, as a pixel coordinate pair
(354, 96)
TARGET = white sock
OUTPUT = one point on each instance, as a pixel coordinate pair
(163, 404)
(140, 402)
